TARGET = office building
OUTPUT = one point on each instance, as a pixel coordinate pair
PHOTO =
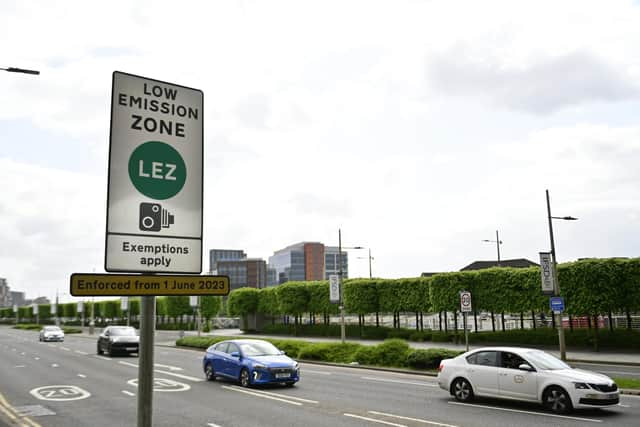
(305, 261)
(216, 255)
(5, 293)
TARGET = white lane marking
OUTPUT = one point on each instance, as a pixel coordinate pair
(239, 390)
(284, 396)
(213, 425)
(399, 381)
(308, 371)
(20, 366)
(82, 375)
(65, 348)
(418, 420)
(102, 357)
(36, 358)
(169, 367)
(184, 377)
(374, 420)
(624, 406)
(84, 353)
(527, 412)
(22, 353)
(55, 365)
(128, 393)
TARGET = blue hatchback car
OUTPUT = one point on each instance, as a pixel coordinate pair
(250, 362)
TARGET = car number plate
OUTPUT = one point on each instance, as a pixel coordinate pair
(612, 395)
(130, 348)
(283, 375)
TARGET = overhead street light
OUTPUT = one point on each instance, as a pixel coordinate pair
(340, 247)
(556, 285)
(20, 70)
(498, 242)
(370, 258)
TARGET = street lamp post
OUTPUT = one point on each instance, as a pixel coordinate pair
(498, 242)
(342, 326)
(556, 285)
(20, 70)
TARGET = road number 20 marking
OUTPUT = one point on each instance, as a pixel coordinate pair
(60, 393)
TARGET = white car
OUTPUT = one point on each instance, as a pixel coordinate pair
(51, 333)
(525, 374)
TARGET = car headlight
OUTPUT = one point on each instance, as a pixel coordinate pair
(582, 386)
(259, 366)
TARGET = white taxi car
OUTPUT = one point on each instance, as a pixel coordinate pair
(525, 374)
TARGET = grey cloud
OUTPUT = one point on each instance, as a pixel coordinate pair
(254, 111)
(541, 88)
(310, 204)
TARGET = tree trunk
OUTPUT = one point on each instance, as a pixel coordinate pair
(596, 344)
(493, 322)
(502, 319)
(440, 321)
(445, 322)
(610, 321)
(533, 319)
(455, 325)
(628, 320)
(521, 320)
(571, 323)
(553, 320)
(589, 322)
(377, 320)
(417, 322)
(421, 321)
(475, 320)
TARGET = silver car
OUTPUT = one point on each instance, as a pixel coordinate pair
(51, 333)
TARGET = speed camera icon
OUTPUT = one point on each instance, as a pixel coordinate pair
(153, 217)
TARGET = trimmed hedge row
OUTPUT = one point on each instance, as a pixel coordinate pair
(590, 287)
(390, 353)
(34, 327)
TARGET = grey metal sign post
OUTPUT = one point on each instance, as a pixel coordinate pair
(155, 193)
(465, 308)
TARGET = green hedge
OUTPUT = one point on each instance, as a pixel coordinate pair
(391, 353)
(351, 331)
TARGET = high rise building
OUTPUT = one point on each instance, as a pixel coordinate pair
(5, 293)
(216, 255)
(242, 271)
(306, 261)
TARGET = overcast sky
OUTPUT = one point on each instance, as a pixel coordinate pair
(418, 127)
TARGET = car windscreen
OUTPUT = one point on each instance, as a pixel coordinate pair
(52, 329)
(546, 361)
(259, 348)
(127, 332)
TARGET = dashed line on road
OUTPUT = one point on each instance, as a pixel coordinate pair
(213, 425)
(102, 357)
(284, 396)
(82, 375)
(418, 420)
(55, 365)
(20, 366)
(184, 377)
(65, 348)
(374, 420)
(399, 381)
(592, 420)
(308, 371)
(128, 393)
(264, 396)
(84, 353)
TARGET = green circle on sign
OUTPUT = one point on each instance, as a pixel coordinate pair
(157, 170)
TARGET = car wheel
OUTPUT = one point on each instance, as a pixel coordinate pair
(99, 350)
(461, 390)
(245, 379)
(557, 400)
(290, 384)
(209, 372)
(109, 351)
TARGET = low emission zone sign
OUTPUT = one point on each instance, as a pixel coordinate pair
(97, 285)
(154, 201)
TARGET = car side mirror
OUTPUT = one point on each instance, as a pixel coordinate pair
(282, 352)
(235, 354)
(526, 367)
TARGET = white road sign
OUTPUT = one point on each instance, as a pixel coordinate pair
(154, 205)
(334, 288)
(546, 269)
(124, 303)
(465, 302)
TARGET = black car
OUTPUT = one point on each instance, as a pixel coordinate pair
(118, 339)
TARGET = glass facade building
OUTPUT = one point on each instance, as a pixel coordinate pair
(305, 261)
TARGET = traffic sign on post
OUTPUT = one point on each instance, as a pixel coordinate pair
(154, 203)
(334, 288)
(546, 270)
(556, 304)
(465, 302)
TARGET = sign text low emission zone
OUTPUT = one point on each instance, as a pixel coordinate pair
(154, 208)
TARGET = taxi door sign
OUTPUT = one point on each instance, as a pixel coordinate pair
(154, 200)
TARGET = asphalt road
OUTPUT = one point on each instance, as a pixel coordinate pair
(86, 389)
